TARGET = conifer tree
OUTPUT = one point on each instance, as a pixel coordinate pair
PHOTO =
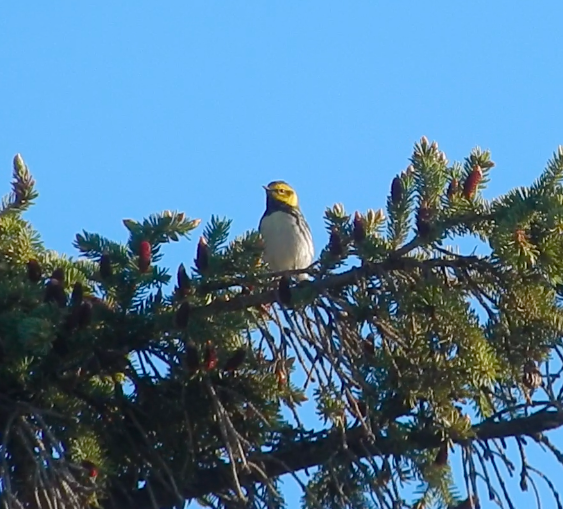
(126, 384)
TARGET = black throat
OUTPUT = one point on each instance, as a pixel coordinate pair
(273, 205)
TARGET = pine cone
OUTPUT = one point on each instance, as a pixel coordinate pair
(335, 245)
(472, 182)
(34, 271)
(59, 275)
(359, 231)
(144, 256)
(397, 191)
(202, 255)
(183, 280)
(54, 292)
(423, 219)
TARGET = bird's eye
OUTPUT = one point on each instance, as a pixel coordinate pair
(281, 191)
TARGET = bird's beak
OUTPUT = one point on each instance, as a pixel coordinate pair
(266, 188)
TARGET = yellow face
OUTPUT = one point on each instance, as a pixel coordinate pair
(281, 192)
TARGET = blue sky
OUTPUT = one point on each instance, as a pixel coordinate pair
(123, 109)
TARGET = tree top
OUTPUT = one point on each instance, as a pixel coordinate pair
(125, 385)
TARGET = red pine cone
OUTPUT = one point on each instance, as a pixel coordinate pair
(144, 256)
(54, 292)
(472, 182)
(202, 255)
(80, 314)
(34, 271)
(359, 231)
(182, 279)
(397, 191)
(335, 245)
(59, 275)
(209, 357)
(423, 219)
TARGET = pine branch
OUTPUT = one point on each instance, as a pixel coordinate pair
(310, 452)
(23, 189)
(341, 280)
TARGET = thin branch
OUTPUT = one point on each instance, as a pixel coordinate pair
(312, 452)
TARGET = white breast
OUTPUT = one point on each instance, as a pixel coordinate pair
(286, 246)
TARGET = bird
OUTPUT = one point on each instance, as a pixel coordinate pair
(288, 243)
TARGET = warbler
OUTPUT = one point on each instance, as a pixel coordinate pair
(288, 243)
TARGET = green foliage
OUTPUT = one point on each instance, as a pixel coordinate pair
(400, 211)
(141, 390)
(429, 171)
(23, 189)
